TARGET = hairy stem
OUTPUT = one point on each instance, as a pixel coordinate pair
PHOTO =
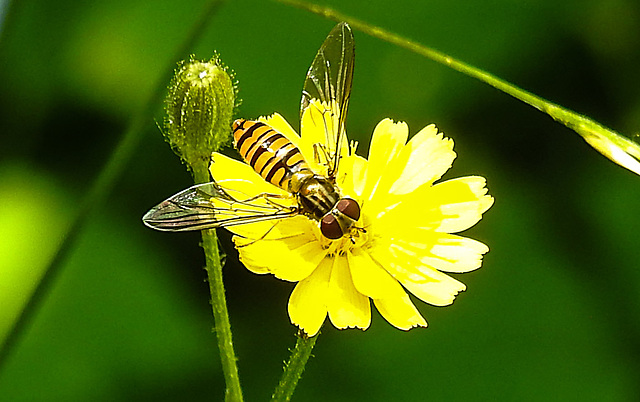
(294, 368)
(219, 303)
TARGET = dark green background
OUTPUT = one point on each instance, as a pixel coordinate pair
(552, 315)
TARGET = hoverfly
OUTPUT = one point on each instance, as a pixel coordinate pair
(280, 162)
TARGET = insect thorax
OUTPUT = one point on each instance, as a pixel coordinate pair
(316, 194)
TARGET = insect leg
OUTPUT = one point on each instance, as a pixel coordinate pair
(259, 238)
(320, 151)
(268, 198)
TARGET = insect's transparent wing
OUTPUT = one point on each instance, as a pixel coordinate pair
(329, 81)
(209, 205)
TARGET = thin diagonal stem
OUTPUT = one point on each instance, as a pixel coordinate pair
(102, 185)
(608, 142)
(420, 49)
(294, 368)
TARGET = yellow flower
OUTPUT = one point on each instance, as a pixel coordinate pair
(402, 242)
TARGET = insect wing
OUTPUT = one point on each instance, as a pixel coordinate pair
(209, 205)
(329, 81)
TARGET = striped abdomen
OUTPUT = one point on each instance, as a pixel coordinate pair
(268, 152)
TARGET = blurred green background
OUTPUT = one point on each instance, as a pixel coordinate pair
(552, 315)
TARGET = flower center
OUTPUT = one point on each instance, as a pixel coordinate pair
(357, 237)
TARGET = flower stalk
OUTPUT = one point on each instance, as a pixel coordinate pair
(294, 368)
(199, 110)
(213, 268)
(608, 142)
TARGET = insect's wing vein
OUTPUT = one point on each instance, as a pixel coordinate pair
(329, 80)
(209, 205)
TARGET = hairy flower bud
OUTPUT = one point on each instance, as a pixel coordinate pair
(199, 109)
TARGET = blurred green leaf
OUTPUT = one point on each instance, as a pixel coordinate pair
(34, 214)
(119, 325)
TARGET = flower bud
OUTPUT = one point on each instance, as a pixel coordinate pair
(614, 146)
(199, 109)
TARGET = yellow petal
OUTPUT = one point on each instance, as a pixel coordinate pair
(441, 251)
(371, 279)
(426, 158)
(452, 253)
(450, 206)
(401, 263)
(462, 202)
(405, 265)
(387, 141)
(244, 178)
(400, 312)
(351, 176)
(347, 307)
(308, 301)
(290, 259)
(439, 293)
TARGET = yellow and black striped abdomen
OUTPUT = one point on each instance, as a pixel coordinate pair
(268, 152)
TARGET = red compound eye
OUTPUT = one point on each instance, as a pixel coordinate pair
(336, 223)
(349, 207)
(330, 227)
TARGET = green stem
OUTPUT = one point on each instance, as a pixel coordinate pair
(102, 186)
(611, 144)
(221, 316)
(219, 303)
(294, 368)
